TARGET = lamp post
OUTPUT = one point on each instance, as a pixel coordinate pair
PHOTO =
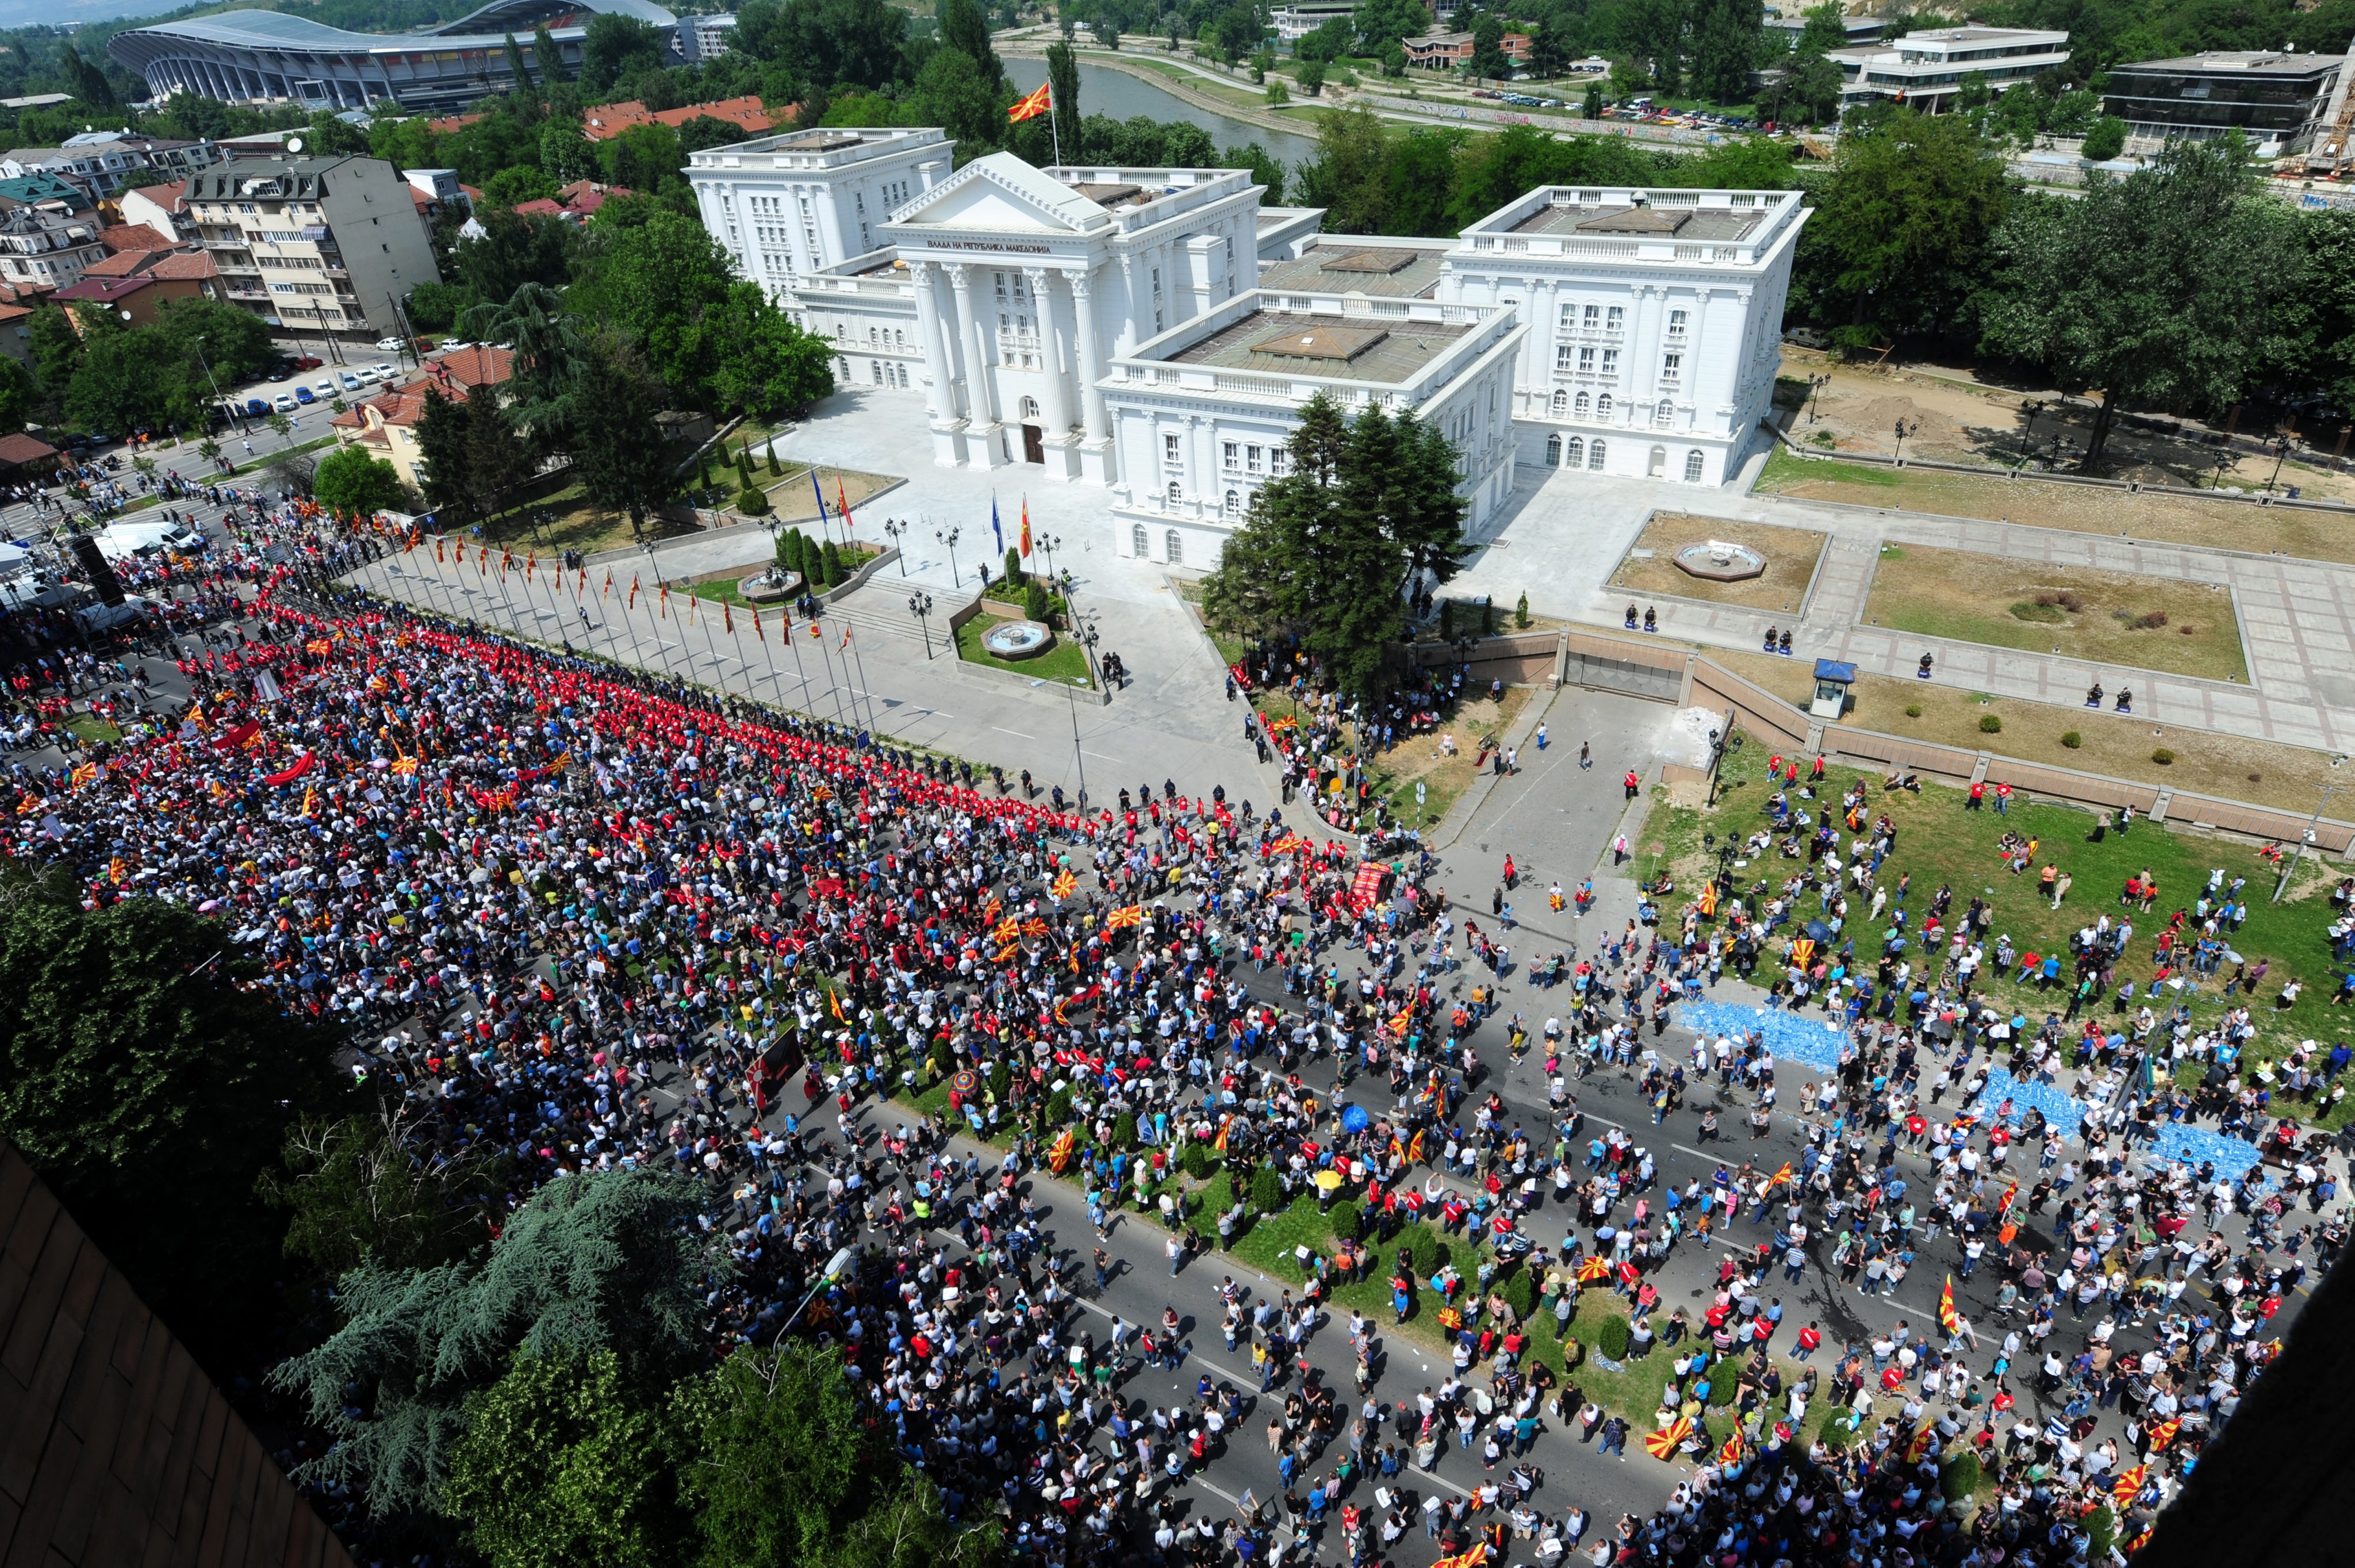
(949, 537)
(834, 1268)
(1904, 430)
(1077, 757)
(920, 605)
(2281, 445)
(2033, 407)
(1816, 384)
(897, 530)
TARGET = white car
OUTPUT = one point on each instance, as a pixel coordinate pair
(388, 344)
(325, 389)
(285, 403)
(119, 541)
(386, 372)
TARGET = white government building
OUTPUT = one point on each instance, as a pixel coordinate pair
(1155, 331)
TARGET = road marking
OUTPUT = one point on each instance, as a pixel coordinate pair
(1004, 730)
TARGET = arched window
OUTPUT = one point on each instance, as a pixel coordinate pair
(1177, 493)
(1136, 545)
(874, 367)
(1663, 413)
(1692, 467)
(1561, 402)
(1233, 506)
(1553, 448)
(1584, 405)
(1574, 455)
(1603, 407)
(1656, 466)
(1176, 546)
(1029, 407)
(1595, 458)
(874, 336)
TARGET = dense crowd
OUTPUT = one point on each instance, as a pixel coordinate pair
(590, 919)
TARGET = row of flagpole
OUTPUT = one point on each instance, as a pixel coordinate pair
(575, 596)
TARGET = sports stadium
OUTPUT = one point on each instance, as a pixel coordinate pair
(269, 57)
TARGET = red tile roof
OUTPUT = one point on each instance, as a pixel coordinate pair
(120, 1448)
(21, 449)
(607, 120)
(452, 375)
(124, 237)
(189, 264)
(105, 291)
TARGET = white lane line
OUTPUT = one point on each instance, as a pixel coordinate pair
(1004, 730)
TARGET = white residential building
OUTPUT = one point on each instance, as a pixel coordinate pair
(789, 205)
(1202, 413)
(1655, 321)
(1925, 70)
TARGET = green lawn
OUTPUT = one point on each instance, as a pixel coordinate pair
(1938, 843)
(1066, 661)
(1786, 467)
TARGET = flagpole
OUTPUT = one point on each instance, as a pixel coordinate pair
(768, 652)
(785, 634)
(831, 684)
(714, 649)
(874, 729)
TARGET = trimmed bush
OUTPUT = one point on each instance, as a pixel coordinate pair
(1344, 1220)
(1059, 1107)
(1001, 1081)
(774, 467)
(1960, 1479)
(1035, 602)
(2163, 757)
(1990, 725)
(1521, 611)
(1015, 577)
(1724, 1379)
(1266, 1191)
(1913, 710)
(1611, 1338)
(2071, 740)
(752, 501)
(1447, 619)
(1123, 1130)
(1520, 1294)
(942, 1060)
(831, 553)
(2102, 1531)
(1198, 1160)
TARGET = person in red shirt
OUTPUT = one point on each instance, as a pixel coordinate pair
(1810, 1338)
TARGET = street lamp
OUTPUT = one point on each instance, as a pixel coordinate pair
(1816, 384)
(921, 605)
(949, 537)
(1078, 756)
(2033, 407)
(2281, 445)
(897, 530)
(1904, 430)
(834, 1268)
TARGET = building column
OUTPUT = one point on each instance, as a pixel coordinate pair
(1091, 355)
(1051, 321)
(942, 399)
(981, 449)
(1194, 460)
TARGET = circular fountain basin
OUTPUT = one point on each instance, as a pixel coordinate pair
(1718, 562)
(1017, 640)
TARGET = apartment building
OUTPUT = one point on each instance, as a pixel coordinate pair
(43, 249)
(314, 244)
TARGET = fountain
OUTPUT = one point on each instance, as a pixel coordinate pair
(1718, 561)
(774, 586)
(1017, 640)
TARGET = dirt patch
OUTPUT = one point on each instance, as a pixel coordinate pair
(2115, 618)
(2262, 773)
(1791, 556)
(794, 501)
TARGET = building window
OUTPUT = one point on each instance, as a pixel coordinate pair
(1232, 454)
(1553, 451)
(1564, 356)
(1029, 407)
(1692, 467)
(1586, 361)
(1169, 450)
(1677, 319)
(1252, 457)
(1561, 402)
(1136, 545)
(1609, 363)
(1177, 493)
(1594, 316)
(1603, 407)
(1176, 545)
(1232, 507)
(1595, 458)
(1618, 318)
(1663, 413)
(1574, 455)
(1672, 365)
(1584, 406)
(874, 367)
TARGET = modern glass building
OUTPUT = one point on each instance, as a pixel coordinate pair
(2276, 99)
(269, 57)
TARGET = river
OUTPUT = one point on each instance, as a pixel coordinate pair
(1103, 91)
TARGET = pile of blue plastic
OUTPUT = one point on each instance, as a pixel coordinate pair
(1816, 1042)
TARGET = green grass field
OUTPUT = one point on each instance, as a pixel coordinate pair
(1940, 843)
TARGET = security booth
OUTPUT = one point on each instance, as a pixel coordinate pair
(1832, 681)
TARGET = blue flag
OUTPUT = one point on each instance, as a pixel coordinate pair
(821, 498)
(995, 532)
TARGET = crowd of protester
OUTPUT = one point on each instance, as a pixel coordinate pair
(590, 919)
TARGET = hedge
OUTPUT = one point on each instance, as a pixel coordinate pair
(1611, 1338)
(1123, 1131)
(1344, 1220)
(1266, 1191)
(1960, 1479)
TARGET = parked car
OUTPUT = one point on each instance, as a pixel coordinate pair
(284, 403)
(351, 383)
(307, 362)
(304, 395)
(387, 372)
(325, 388)
(256, 408)
(388, 344)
